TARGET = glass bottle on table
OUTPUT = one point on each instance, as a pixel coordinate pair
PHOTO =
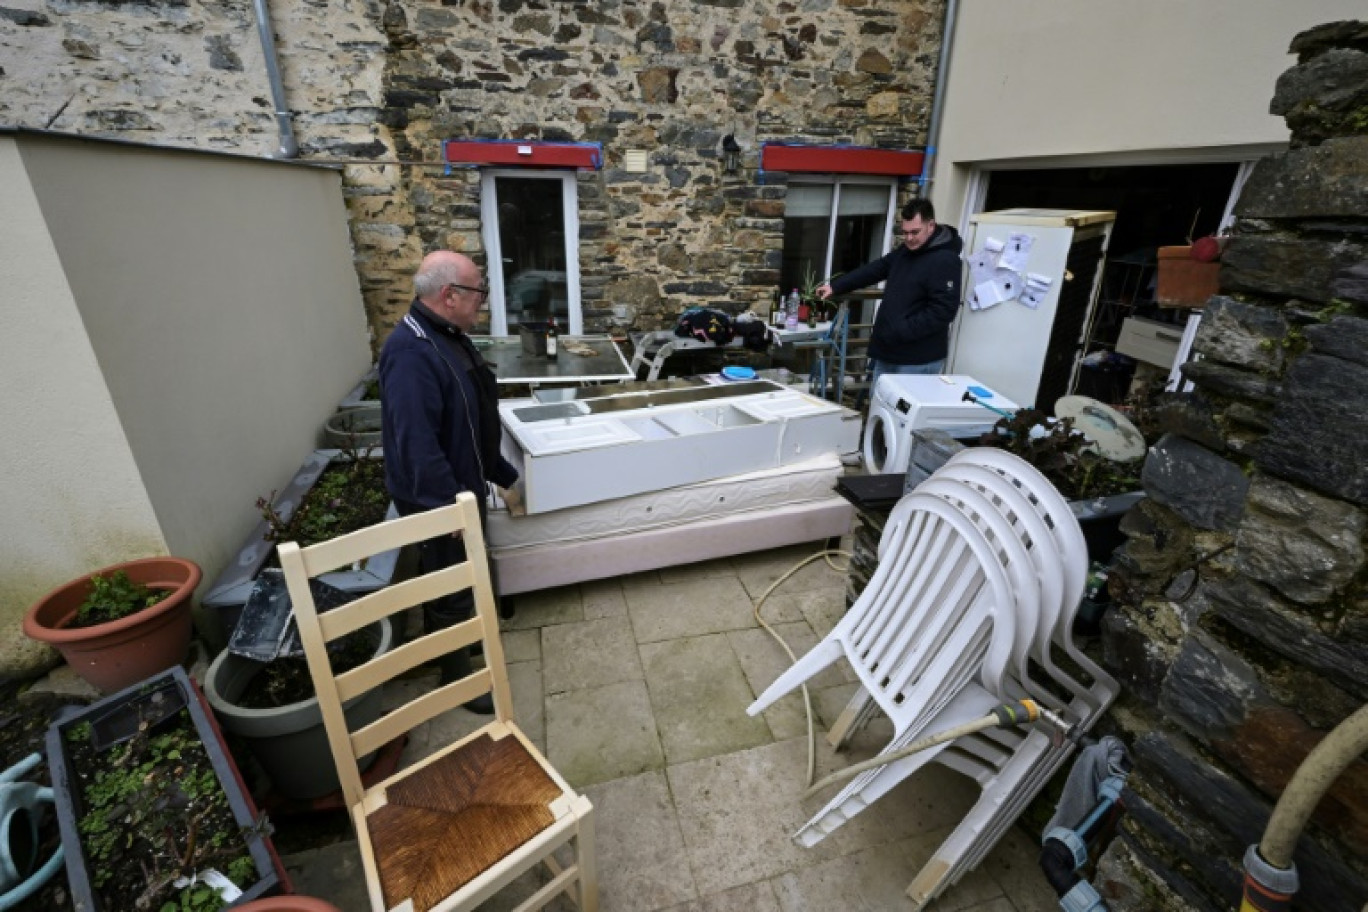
(791, 319)
(552, 341)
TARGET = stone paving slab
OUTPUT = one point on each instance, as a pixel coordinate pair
(756, 897)
(603, 598)
(693, 608)
(529, 701)
(699, 695)
(541, 609)
(641, 859)
(872, 878)
(602, 733)
(589, 654)
(763, 660)
(758, 571)
(1014, 865)
(521, 645)
(701, 570)
(738, 811)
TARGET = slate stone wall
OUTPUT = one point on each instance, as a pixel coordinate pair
(1235, 671)
(378, 85)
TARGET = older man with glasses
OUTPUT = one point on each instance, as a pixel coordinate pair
(921, 295)
(440, 422)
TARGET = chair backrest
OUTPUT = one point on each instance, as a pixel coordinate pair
(1022, 570)
(1051, 563)
(1049, 504)
(938, 611)
(317, 631)
(1054, 509)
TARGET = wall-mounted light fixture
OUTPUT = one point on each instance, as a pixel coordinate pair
(731, 154)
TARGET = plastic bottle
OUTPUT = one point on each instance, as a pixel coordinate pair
(791, 317)
(552, 341)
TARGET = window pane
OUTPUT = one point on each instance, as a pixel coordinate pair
(532, 238)
(806, 224)
(861, 222)
(864, 199)
(859, 239)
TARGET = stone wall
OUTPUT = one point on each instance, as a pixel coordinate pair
(1236, 670)
(378, 86)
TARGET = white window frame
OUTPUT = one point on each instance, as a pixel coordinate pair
(489, 229)
(836, 180)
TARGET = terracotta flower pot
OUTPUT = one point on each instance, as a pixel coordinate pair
(117, 654)
(288, 904)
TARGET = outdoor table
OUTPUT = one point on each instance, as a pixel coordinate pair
(513, 364)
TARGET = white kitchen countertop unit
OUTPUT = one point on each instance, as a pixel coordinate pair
(596, 449)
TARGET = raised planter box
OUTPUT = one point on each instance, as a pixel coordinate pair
(170, 698)
(228, 593)
(357, 396)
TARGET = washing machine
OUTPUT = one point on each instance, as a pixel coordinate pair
(903, 403)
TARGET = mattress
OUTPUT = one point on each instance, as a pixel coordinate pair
(551, 564)
(799, 483)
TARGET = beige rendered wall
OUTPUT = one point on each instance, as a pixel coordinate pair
(71, 499)
(1041, 78)
(221, 303)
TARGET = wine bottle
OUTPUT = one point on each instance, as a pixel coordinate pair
(552, 341)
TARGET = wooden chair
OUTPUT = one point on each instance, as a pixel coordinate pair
(458, 825)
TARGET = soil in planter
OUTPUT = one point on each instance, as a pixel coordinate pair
(349, 495)
(116, 596)
(153, 810)
(287, 680)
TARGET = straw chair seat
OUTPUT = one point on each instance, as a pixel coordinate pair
(467, 811)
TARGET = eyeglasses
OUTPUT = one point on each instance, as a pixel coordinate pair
(482, 292)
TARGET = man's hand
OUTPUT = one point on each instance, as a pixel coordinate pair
(513, 500)
(824, 290)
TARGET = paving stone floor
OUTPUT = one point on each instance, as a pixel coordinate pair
(637, 688)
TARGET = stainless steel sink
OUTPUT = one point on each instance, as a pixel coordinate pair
(651, 397)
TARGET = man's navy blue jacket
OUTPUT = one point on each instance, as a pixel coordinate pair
(440, 420)
(921, 298)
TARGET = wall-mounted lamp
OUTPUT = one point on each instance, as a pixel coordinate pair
(731, 154)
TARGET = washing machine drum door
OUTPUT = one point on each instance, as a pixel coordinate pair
(882, 444)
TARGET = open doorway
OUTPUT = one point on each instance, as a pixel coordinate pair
(1160, 205)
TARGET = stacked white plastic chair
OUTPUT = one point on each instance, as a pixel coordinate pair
(935, 616)
(1022, 530)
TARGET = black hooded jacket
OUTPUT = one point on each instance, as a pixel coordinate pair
(921, 298)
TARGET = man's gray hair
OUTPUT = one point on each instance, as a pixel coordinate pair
(430, 281)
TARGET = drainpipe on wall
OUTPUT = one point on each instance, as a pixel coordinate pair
(288, 147)
(942, 72)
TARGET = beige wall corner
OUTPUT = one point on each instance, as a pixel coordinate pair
(71, 499)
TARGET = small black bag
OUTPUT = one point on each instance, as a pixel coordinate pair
(706, 325)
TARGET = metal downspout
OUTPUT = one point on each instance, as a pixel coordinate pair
(288, 147)
(937, 99)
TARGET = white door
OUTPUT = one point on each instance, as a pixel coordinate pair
(531, 235)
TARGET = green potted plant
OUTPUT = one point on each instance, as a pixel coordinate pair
(120, 624)
(151, 808)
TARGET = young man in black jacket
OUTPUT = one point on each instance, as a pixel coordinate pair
(921, 295)
(440, 423)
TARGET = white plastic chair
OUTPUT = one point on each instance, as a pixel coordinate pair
(936, 617)
(1009, 783)
(971, 700)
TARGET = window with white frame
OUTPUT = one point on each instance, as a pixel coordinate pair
(832, 225)
(531, 237)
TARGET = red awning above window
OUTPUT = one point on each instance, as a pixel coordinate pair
(529, 154)
(841, 160)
